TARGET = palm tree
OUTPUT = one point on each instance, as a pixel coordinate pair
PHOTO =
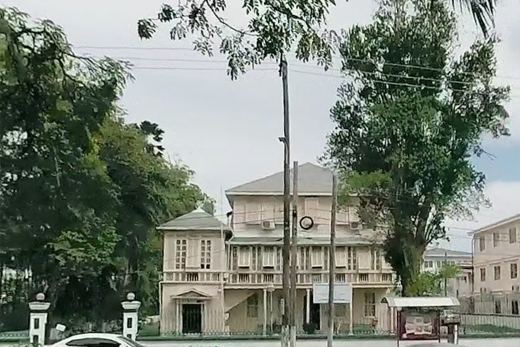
(483, 12)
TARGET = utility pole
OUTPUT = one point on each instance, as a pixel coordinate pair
(286, 204)
(294, 255)
(332, 258)
(445, 277)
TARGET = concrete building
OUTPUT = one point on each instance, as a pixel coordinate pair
(460, 286)
(496, 249)
(229, 277)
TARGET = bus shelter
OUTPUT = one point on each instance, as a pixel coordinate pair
(420, 318)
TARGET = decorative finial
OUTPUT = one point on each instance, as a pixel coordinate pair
(40, 297)
(130, 296)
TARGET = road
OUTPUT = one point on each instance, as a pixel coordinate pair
(339, 343)
(321, 343)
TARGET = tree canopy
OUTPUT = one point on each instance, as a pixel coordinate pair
(409, 118)
(274, 27)
(81, 192)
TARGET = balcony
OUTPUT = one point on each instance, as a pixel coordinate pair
(187, 276)
(306, 279)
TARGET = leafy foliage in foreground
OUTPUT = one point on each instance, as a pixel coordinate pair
(80, 190)
(408, 123)
(274, 27)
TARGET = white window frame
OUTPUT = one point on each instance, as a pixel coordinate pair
(317, 257)
(513, 270)
(205, 254)
(341, 257)
(497, 272)
(482, 243)
(244, 257)
(369, 307)
(181, 251)
(351, 258)
(269, 257)
(496, 239)
(512, 235)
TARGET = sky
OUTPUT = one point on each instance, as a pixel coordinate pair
(227, 131)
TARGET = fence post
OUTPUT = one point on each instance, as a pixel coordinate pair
(38, 320)
(130, 316)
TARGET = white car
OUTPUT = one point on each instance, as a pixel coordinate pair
(97, 340)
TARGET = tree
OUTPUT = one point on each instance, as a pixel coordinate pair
(408, 122)
(274, 28)
(51, 180)
(430, 283)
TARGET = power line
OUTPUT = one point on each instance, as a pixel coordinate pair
(186, 49)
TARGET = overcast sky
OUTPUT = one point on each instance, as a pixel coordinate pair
(228, 131)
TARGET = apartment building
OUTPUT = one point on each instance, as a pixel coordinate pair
(496, 249)
(460, 286)
(229, 277)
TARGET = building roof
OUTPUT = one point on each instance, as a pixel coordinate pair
(195, 220)
(441, 252)
(420, 301)
(498, 224)
(312, 180)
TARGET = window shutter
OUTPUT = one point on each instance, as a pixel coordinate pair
(193, 260)
(269, 257)
(341, 257)
(317, 257)
(244, 257)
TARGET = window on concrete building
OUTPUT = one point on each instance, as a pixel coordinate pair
(181, 247)
(205, 254)
(497, 272)
(375, 259)
(512, 235)
(498, 307)
(341, 256)
(370, 304)
(428, 264)
(514, 307)
(513, 269)
(351, 258)
(317, 256)
(482, 275)
(482, 243)
(252, 306)
(496, 239)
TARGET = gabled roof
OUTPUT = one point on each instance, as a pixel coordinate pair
(441, 252)
(195, 220)
(312, 179)
(498, 224)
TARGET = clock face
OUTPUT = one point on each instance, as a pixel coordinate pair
(306, 223)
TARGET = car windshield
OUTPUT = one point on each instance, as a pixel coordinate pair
(130, 342)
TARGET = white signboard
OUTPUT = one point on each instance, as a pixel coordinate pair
(342, 293)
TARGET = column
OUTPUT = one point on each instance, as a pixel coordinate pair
(264, 327)
(38, 320)
(351, 317)
(130, 317)
(308, 306)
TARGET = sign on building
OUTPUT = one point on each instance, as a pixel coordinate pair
(342, 293)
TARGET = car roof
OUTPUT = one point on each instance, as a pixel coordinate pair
(93, 335)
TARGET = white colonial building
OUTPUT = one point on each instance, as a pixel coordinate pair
(228, 277)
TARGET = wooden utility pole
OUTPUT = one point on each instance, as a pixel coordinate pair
(332, 258)
(445, 277)
(286, 204)
(294, 255)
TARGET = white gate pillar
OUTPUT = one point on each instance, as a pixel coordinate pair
(130, 316)
(38, 320)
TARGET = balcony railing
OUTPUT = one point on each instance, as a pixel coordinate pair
(306, 279)
(181, 276)
(261, 278)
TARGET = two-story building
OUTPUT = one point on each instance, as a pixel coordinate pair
(496, 249)
(229, 277)
(460, 286)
